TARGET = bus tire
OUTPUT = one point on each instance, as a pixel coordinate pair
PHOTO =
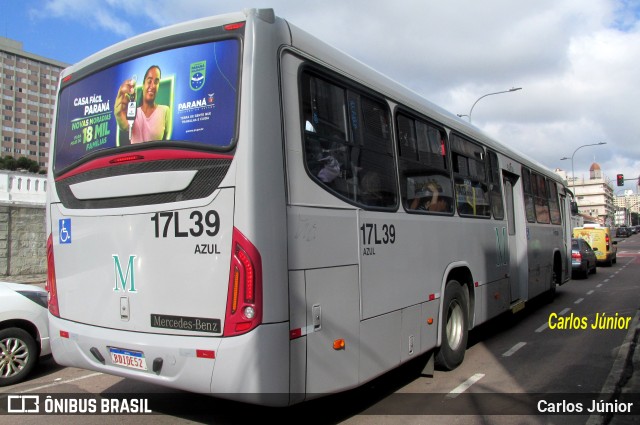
(455, 328)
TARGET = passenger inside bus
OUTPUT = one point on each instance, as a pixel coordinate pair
(435, 202)
(429, 193)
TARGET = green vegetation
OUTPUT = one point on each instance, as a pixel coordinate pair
(10, 163)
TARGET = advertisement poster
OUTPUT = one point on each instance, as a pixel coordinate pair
(185, 94)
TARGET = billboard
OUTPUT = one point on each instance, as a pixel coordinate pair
(187, 94)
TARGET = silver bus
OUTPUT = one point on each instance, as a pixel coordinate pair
(238, 209)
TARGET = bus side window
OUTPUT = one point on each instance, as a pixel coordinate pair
(375, 164)
(497, 207)
(347, 143)
(528, 195)
(469, 170)
(554, 205)
(426, 181)
(326, 134)
(541, 199)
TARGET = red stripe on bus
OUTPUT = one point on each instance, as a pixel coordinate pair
(141, 156)
(206, 354)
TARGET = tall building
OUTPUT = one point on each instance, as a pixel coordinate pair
(28, 83)
(627, 206)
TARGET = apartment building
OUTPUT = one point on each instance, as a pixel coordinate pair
(594, 195)
(28, 85)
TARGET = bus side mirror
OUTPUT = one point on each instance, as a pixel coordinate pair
(574, 208)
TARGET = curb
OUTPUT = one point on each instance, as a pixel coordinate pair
(621, 375)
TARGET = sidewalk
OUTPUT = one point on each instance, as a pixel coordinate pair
(624, 379)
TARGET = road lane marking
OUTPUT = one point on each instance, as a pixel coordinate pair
(514, 349)
(546, 325)
(465, 385)
(599, 285)
(578, 301)
(590, 292)
(542, 328)
(68, 381)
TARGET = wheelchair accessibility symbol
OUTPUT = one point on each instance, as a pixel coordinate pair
(64, 226)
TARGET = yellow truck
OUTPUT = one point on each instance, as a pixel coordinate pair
(599, 237)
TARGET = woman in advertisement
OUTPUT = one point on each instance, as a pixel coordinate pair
(149, 121)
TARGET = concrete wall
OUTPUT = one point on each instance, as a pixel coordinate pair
(22, 187)
(23, 240)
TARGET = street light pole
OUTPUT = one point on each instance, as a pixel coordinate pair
(573, 175)
(490, 94)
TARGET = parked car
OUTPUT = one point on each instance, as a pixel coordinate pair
(583, 259)
(623, 232)
(24, 330)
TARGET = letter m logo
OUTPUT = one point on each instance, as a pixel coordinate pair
(124, 279)
(501, 247)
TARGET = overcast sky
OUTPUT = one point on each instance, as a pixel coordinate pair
(577, 61)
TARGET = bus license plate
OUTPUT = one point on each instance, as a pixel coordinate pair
(128, 358)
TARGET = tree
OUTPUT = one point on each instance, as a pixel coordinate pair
(10, 163)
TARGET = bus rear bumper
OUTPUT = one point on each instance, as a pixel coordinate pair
(242, 368)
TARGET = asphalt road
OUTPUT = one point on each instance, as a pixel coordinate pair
(534, 353)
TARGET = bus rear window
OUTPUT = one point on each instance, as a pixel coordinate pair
(184, 95)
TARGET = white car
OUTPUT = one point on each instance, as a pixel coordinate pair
(24, 330)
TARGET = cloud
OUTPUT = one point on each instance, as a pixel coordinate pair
(576, 61)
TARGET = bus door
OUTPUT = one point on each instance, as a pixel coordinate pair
(516, 241)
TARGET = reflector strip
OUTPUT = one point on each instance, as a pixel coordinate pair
(64, 334)
(206, 354)
(434, 296)
(299, 332)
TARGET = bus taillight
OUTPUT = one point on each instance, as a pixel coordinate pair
(51, 279)
(244, 305)
(234, 26)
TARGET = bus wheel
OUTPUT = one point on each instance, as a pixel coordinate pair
(455, 330)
